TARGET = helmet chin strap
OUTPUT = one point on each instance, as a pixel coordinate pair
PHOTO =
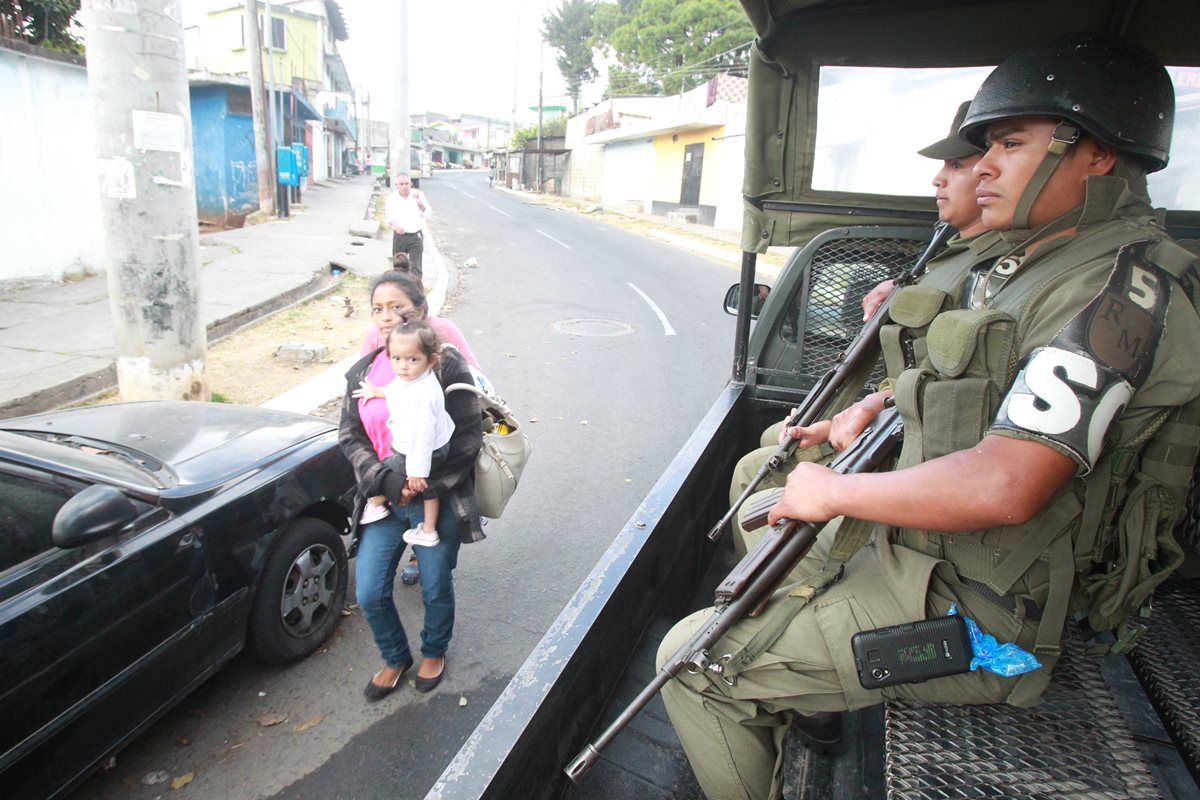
(1064, 135)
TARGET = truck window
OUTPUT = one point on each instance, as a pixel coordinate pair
(1178, 186)
(872, 120)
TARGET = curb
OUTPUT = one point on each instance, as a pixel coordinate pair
(103, 380)
(307, 397)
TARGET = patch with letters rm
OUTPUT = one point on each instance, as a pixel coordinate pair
(1070, 392)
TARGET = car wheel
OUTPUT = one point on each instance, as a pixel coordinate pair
(300, 595)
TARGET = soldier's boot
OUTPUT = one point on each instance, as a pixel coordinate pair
(820, 732)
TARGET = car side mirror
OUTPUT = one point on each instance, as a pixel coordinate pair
(733, 299)
(94, 513)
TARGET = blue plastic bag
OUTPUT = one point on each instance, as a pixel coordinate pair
(1006, 659)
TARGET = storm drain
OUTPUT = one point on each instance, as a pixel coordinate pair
(585, 326)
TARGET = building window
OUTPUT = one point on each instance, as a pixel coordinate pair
(278, 33)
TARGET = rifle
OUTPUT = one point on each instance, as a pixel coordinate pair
(817, 402)
(751, 584)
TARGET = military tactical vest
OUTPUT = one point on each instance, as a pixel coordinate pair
(1111, 528)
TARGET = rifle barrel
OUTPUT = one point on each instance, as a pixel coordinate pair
(819, 398)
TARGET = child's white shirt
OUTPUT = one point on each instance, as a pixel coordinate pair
(418, 420)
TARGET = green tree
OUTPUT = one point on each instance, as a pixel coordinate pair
(569, 31)
(48, 23)
(667, 46)
(550, 127)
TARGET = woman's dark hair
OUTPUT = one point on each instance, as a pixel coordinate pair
(427, 337)
(401, 262)
(408, 284)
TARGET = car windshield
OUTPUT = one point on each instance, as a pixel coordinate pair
(85, 458)
(872, 120)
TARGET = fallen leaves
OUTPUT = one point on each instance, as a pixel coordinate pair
(183, 780)
(271, 718)
(310, 722)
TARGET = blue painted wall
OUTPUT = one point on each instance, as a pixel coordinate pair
(223, 147)
(241, 170)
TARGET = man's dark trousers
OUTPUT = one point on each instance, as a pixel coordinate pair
(414, 245)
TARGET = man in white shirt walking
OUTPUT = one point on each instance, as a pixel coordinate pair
(405, 211)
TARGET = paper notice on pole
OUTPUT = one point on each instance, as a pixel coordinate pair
(116, 179)
(156, 131)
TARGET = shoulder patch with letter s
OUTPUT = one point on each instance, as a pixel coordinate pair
(1071, 391)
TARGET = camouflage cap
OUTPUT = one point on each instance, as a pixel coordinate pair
(952, 147)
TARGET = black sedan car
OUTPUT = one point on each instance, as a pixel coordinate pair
(142, 545)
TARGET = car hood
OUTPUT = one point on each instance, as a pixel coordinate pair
(198, 442)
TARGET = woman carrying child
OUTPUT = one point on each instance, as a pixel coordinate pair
(365, 438)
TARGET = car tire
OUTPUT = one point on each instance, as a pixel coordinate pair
(300, 595)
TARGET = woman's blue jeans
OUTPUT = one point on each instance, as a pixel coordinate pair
(379, 551)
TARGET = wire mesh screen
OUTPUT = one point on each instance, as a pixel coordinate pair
(1188, 529)
(1074, 744)
(830, 297)
(1164, 661)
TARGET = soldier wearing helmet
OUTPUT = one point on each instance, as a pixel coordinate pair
(954, 191)
(1038, 376)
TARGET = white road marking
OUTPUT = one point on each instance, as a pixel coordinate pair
(551, 238)
(667, 329)
(468, 194)
(498, 211)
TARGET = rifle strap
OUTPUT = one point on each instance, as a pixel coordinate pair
(851, 535)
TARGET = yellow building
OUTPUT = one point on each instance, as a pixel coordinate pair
(294, 41)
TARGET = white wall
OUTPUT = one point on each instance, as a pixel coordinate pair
(731, 169)
(318, 153)
(586, 165)
(628, 175)
(50, 203)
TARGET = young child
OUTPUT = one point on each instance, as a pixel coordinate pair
(417, 418)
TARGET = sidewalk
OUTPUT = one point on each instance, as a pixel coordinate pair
(56, 339)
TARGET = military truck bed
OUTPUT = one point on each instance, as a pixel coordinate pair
(1096, 735)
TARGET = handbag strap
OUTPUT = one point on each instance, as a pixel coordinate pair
(488, 402)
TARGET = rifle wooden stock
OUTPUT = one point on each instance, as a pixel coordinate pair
(819, 399)
(751, 584)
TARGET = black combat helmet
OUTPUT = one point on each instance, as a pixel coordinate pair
(1117, 91)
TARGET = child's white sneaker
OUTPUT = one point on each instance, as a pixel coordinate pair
(419, 536)
(373, 513)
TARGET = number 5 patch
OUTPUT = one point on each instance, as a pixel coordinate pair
(1072, 391)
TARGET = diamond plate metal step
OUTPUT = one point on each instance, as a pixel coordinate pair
(1165, 661)
(1074, 744)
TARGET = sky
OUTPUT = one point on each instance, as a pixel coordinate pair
(468, 56)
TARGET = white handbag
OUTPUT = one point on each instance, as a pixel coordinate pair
(502, 457)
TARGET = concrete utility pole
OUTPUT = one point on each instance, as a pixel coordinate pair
(137, 81)
(541, 71)
(262, 156)
(274, 115)
(399, 132)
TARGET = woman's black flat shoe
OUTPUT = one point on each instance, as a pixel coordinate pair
(429, 684)
(374, 691)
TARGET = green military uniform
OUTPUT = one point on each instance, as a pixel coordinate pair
(984, 343)
(959, 254)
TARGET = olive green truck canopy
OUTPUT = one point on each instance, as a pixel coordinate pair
(795, 38)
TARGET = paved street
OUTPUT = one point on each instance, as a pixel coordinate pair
(616, 345)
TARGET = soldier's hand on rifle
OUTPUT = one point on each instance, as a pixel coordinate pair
(875, 297)
(806, 435)
(806, 495)
(848, 424)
